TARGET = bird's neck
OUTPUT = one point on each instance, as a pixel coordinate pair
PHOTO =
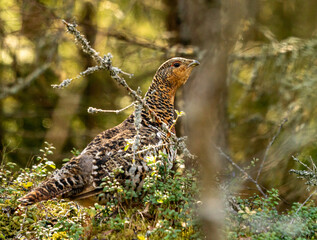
(160, 99)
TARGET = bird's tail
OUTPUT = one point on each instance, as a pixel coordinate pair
(47, 190)
(64, 182)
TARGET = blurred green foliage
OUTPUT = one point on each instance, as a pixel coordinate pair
(258, 218)
(268, 84)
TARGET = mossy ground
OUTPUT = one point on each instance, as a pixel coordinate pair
(165, 209)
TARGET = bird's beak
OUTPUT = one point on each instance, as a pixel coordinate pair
(194, 63)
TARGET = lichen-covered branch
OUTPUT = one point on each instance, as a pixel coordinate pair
(88, 71)
(105, 63)
(137, 124)
(149, 148)
(96, 110)
(309, 174)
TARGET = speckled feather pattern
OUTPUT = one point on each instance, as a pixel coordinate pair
(80, 178)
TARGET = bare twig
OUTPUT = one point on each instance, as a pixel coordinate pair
(269, 147)
(267, 33)
(136, 41)
(22, 225)
(242, 171)
(300, 207)
(147, 149)
(23, 82)
(96, 110)
(137, 125)
(313, 164)
(178, 49)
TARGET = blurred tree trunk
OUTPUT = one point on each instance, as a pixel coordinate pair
(213, 26)
(36, 24)
(90, 31)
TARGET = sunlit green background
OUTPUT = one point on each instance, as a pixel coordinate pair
(32, 34)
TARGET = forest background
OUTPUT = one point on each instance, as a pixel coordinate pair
(253, 96)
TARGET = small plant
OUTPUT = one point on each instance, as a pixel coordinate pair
(259, 219)
(165, 208)
(48, 220)
(39, 170)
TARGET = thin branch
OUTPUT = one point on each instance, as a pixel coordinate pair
(136, 41)
(300, 162)
(313, 164)
(137, 125)
(105, 63)
(242, 171)
(23, 221)
(177, 49)
(148, 148)
(269, 147)
(300, 207)
(88, 71)
(96, 110)
(23, 82)
(267, 33)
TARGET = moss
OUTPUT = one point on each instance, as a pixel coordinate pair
(164, 209)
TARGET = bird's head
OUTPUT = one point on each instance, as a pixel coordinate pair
(175, 71)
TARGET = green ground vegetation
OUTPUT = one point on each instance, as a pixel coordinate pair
(164, 209)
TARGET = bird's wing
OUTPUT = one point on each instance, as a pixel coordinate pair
(106, 152)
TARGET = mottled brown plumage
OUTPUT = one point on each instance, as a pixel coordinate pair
(80, 178)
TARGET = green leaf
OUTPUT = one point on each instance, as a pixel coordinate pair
(127, 146)
(27, 185)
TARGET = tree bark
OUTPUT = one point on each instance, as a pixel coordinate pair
(213, 26)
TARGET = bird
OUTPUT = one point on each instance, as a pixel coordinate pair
(107, 156)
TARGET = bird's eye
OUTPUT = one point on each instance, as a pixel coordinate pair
(177, 64)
